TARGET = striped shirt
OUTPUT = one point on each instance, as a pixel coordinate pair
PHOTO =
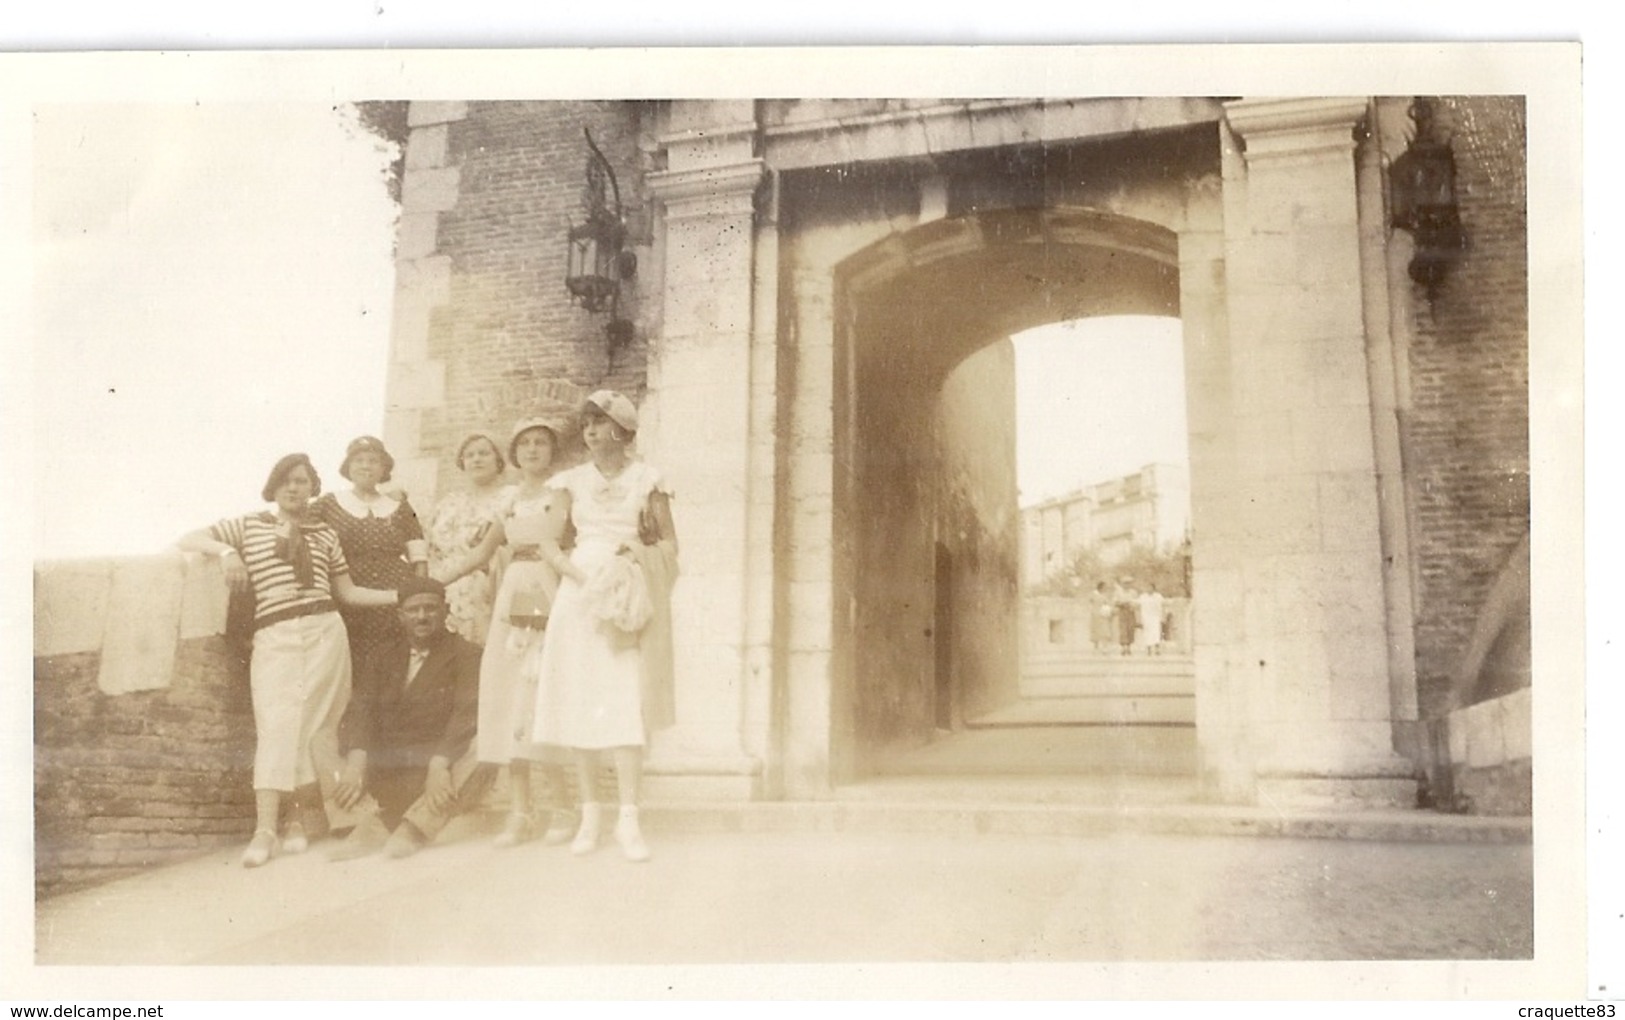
(277, 594)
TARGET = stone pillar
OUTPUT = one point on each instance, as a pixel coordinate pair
(1314, 638)
(711, 401)
(1224, 734)
(417, 381)
(1388, 349)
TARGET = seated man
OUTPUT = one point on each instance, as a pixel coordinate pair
(407, 737)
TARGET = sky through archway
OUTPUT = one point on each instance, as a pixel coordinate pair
(1097, 399)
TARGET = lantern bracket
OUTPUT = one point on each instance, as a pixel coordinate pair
(597, 261)
(1423, 200)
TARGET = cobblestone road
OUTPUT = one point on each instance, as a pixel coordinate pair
(820, 898)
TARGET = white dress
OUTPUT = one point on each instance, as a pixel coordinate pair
(1151, 618)
(508, 665)
(589, 690)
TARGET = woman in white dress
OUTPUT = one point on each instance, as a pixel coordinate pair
(1151, 609)
(605, 684)
(527, 526)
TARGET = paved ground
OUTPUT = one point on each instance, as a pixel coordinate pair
(771, 897)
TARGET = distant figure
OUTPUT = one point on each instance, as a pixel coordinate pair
(1126, 606)
(1151, 608)
(1102, 633)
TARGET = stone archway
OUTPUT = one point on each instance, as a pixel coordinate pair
(773, 231)
(928, 475)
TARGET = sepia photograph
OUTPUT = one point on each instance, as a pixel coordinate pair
(1048, 513)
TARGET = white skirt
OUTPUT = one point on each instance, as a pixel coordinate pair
(508, 669)
(299, 677)
(589, 693)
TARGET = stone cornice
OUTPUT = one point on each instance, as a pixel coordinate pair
(709, 190)
(947, 110)
(1296, 127)
(925, 132)
(716, 134)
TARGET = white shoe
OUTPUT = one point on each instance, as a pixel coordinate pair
(295, 841)
(368, 837)
(630, 836)
(260, 849)
(586, 840)
(561, 827)
(519, 829)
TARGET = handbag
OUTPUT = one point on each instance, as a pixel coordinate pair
(619, 595)
(528, 608)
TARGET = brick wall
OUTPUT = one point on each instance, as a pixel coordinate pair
(511, 340)
(1467, 437)
(128, 780)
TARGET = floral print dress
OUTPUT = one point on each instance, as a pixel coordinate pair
(459, 523)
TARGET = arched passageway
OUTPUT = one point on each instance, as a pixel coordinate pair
(925, 433)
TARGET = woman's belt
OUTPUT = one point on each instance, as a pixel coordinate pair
(293, 613)
(528, 553)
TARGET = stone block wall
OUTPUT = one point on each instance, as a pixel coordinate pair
(978, 535)
(1467, 433)
(143, 731)
(1487, 757)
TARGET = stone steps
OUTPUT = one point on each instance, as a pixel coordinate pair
(1129, 689)
(1048, 663)
(916, 808)
(1162, 686)
(1072, 689)
(1051, 750)
(1097, 710)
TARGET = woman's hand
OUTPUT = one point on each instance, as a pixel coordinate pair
(203, 542)
(236, 572)
(352, 594)
(492, 536)
(351, 784)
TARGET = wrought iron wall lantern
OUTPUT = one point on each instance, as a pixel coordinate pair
(1422, 186)
(597, 263)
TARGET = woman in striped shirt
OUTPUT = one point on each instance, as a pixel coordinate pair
(299, 673)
